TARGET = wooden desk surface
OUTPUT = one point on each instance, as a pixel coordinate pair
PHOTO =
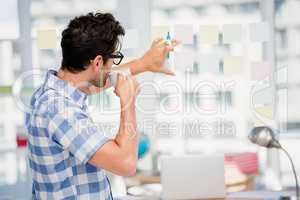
(249, 195)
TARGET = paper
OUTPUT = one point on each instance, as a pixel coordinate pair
(131, 39)
(46, 38)
(232, 33)
(208, 63)
(263, 97)
(159, 32)
(183, 60)
(209, 34)
(9, 22)
(264, 111)
(232, 65)
(259, 32)
(184, 33)
(260, 70)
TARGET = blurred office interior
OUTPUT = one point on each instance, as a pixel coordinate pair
(231, 101)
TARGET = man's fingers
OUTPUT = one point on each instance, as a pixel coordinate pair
(167, 71)
(121, 77)
(167, 49)
(93, 89)
(175, 42)
(162, 43)
(156, 41)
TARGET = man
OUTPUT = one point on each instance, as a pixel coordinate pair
(68, 153)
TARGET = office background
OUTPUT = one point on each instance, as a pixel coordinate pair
(246, 52)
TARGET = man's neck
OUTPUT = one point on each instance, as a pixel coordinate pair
(77, 80)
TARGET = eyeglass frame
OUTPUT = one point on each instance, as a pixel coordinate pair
(113, 55)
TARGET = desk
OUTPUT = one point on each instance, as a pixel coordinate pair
(250, 195)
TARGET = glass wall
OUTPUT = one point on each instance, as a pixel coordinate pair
(213, 96)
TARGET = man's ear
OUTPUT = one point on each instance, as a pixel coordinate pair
(97, 63)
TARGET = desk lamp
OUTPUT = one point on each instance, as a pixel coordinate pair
(264, 136)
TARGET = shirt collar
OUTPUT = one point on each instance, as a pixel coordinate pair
(64, 88)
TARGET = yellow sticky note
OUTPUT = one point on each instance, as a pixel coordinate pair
(209, 34)
(258, 122)
(232, 65)
(46, 39)
(264, 111)
(159, 32)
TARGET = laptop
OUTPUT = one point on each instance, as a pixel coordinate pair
(192, 177)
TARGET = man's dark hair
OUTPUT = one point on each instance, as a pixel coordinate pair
(88, 36)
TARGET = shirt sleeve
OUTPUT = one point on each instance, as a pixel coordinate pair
(75, 131)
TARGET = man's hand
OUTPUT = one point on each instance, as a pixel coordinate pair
(127, 89)
(153, 60)
(119, 156)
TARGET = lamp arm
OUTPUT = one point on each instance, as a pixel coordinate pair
(294, 172)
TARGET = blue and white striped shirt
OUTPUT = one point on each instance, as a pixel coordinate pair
(62, 138)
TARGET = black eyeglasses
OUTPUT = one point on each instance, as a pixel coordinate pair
(117, 57)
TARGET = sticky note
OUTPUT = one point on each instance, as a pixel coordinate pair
(208, 63)
(183, 59)
(232, 65)
(209, 34)
(260, 70)
(184, 33)
(159, 32)
(46, 39)
(255, 52)
(232, 33)
(282, 75)
(263, 97)
(9, 20)
(131, 39)
(258, 122)
(264, 111)
(259, 32)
